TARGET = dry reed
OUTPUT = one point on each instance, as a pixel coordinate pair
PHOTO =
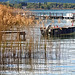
(11, 16)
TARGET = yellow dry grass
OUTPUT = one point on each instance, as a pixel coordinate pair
(11, 16)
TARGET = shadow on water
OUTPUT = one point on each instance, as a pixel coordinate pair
(58, 37)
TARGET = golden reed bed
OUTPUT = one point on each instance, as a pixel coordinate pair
(10, 16)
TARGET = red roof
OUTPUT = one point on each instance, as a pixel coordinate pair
(73, 13)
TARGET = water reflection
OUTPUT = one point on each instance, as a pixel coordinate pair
(50, 56)
(41, 56)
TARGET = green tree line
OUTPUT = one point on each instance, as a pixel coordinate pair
(46, 5)
(50, 5)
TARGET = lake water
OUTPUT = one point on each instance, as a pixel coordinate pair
(59, 12)
(39, 55)
(55, 11)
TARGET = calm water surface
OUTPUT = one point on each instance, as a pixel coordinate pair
(55, 11)
(39, 55)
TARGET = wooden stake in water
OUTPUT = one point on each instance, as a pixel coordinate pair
(43, 24)
(59, 21)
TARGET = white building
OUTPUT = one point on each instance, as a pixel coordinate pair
(69, 15)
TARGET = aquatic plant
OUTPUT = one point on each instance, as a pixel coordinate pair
(11, 16)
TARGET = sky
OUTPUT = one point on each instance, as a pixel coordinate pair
(60, 1)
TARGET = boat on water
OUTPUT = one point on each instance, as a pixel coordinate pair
(57, 31)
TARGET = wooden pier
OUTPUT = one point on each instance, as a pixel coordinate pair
(18, 32)
(44, 15)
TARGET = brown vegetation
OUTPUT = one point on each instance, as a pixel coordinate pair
(9, 17)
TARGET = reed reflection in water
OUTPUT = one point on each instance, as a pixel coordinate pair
(38, 55)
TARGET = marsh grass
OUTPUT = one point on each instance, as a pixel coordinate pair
(10, 17)
(30, 47)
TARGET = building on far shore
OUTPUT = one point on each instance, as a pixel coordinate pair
(24, 7)
(70, 16)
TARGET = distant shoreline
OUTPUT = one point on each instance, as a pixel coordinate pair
(52, 9)
(41, 6)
